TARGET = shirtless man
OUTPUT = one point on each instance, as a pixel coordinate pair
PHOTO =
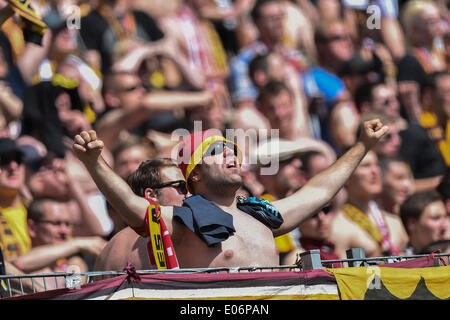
(355, 225)
(216, 179)
(166, 187)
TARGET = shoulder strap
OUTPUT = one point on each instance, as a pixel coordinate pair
(362, 221)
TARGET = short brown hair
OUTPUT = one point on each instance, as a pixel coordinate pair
(273, 88)
(414, 206)
(148, 174)
(36, 210)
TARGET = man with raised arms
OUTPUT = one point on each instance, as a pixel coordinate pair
(214, 228)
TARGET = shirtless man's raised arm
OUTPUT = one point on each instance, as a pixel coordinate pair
(132, 208)
(319, 190)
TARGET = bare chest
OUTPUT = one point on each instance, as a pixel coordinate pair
(251, 245)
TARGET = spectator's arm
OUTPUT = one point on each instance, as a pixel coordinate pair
(409, 96)
(393, 37)
(343, 124)
(425, 184)
(302, 120)
(45, 255)
(89, 219)
(10, 105)
(175, 100)
(125, 202)
(320, 189)
(32, 57)
(109, 127)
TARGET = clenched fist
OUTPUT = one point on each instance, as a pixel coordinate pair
(372, 131)
(87, 147)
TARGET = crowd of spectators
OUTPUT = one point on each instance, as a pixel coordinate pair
(135, 71)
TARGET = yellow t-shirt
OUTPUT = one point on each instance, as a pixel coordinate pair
(14, 237)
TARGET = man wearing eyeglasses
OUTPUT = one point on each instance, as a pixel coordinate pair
(161, 180)
(54, 248)
(214, 228)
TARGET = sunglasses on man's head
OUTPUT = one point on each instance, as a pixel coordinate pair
(180, 185)
(218, 147)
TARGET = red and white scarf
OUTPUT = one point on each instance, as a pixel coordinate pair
(377, 217)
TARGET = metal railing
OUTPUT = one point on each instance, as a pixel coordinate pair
(23, 284)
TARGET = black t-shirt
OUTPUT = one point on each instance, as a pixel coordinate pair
(97, 34)
(410, 69)
(421, 153)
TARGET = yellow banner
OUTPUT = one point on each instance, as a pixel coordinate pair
(375, 283)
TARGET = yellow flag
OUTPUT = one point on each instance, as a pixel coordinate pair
(382, 283)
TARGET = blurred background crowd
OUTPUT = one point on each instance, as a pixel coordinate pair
(136, 70)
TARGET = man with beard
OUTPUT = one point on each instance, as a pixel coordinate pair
(214, 228)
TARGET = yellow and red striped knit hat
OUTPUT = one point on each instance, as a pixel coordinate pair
(193, 147)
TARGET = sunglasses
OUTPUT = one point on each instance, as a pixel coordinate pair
(326, 210)
(218, 148)
(338, 37)
(58, 223)
(132, 88)
(6, 159)
(180, 185)
(386, 102)
(388, 137)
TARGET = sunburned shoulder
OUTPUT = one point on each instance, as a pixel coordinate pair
(342, 226)
(396, 225)
(391, 217)
(341, 219)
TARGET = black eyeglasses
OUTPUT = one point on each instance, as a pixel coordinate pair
(181, 187)
(219, 147)
(58, 223)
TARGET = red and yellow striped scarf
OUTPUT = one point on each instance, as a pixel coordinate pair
(159, 247)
